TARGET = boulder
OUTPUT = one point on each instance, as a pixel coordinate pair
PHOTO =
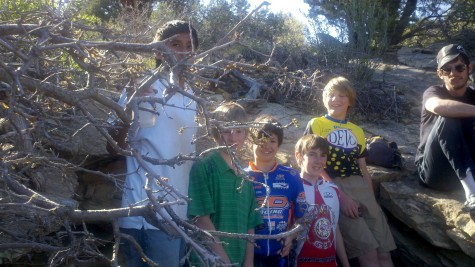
(436, 218)
(413, 250)
(409, 203)
(417, 57)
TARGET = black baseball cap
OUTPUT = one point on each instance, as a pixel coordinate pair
(449, 53)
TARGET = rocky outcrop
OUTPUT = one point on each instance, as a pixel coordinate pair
(418, 57)
(437, 218)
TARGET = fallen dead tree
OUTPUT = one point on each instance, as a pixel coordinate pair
(57, 91)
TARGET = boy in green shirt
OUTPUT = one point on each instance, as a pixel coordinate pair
(220, 201)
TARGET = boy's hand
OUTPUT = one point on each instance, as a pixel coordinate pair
(348, 206)
(286, 246)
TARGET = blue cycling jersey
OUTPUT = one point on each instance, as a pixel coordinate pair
(285, 203)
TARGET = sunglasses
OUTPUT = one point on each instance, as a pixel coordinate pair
(458, 68)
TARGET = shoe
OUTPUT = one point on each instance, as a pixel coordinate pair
(469, 204)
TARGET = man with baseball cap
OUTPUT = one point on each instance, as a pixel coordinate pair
(445, 157)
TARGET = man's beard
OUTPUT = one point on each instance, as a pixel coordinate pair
(457, 87)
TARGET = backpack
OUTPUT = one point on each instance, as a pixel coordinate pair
(383, 153)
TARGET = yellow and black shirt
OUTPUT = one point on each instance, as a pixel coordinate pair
(347, 144)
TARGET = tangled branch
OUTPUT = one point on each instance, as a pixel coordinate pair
(58, 93)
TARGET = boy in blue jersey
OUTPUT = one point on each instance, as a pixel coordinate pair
(286, 201)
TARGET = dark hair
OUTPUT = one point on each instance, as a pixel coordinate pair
(311, 141)
(269, 125)
(172, 28)
(227, 112)
(462, 57)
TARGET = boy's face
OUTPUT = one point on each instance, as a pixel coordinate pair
(337, 104)
(234, 136)
(312, 163)
(181, 45)
(266, 148)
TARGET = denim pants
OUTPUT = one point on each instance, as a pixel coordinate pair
(449, 153)
(270, 261)
(157, 245)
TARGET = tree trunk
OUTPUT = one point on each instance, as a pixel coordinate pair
(401, 25)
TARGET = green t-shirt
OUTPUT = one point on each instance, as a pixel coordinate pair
(214, 191)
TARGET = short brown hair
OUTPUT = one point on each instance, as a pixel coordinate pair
(227, 112)
(342, 85)
(269, 125)
(311, 141)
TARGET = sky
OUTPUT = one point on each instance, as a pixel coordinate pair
(295, 7)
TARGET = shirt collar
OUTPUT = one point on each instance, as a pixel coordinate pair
(335, 120)
(254, 168)
(221, 165)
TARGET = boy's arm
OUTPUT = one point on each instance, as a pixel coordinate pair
(119, 136)
(365, 172)
(249, 256)
(347, 205)
(296, 214)
(285, 250)
(204, 222)
(308, 129)
(340, 249)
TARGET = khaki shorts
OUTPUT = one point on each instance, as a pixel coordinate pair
(371, 230)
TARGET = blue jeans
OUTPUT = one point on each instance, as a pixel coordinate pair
(157, 245)
(270, 261)
(449, 153)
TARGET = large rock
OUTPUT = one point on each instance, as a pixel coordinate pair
(413, 250)
(416, 212)
(437, 217)
(417, 57)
